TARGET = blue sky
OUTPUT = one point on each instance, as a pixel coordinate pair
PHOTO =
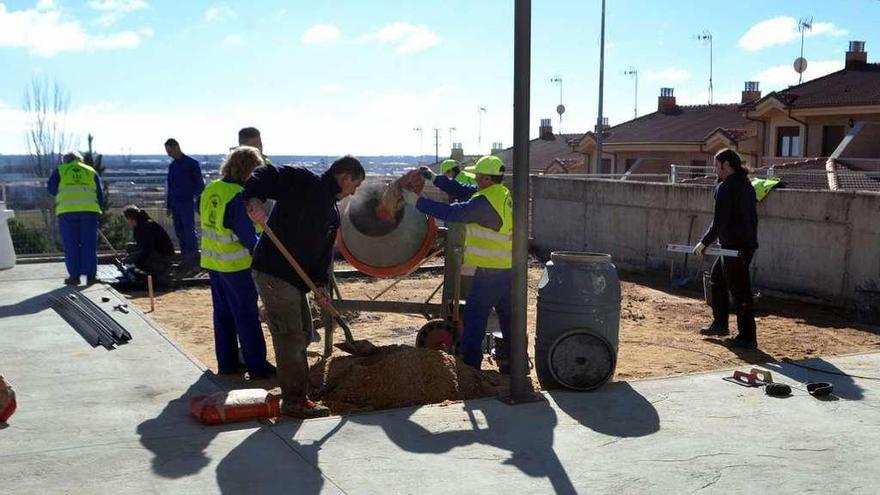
(332, 77)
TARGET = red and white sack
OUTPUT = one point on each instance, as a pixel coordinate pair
(235, 405)
(7, 400)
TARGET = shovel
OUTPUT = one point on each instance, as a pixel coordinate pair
(351, 346)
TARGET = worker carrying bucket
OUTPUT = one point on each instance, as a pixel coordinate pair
(487, 209)
(293, 257)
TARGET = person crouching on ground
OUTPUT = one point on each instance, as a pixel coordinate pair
(305, 219)
(735, 226)
(152, 252)
(487, 209)
(79, 198)
(228, 241)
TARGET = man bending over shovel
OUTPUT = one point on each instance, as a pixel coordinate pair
(305, 219)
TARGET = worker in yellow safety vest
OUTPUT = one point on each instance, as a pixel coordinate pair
(228, 239)
(79, 197)
(487, 209)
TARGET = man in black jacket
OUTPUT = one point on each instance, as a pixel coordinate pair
(305, 218)
(735, 226)
(152, 250)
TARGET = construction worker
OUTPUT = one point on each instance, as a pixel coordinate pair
(184, 184)
(735, 226)
(487, 208)
(228, 241)
(79, 197)
(450, 168)
(305, 219)
(152, 252)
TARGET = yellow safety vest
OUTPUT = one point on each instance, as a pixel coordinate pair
(222, 251)
(487, 248)
(764, 186)
(77, 189)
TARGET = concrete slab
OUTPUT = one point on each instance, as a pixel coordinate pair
(98, 421)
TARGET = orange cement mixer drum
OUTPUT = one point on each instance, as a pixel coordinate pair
(382, 248)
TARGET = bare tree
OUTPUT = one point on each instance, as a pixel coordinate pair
(46, 106)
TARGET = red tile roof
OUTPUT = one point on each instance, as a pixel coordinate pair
(542, 152)
(689, 124)
(855, 86)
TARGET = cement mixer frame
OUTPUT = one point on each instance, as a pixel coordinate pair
(444, 318)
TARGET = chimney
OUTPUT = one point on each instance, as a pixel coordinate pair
(457, 152)
(546, 130)
(605, 125)
(751, 92)
(497, 148)
(666, 101)
(856, 56)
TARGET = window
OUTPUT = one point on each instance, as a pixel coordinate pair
(788, 141)
(832, 135)
(629, 164)
(605, 167)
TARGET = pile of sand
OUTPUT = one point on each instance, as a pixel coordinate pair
(397, 376)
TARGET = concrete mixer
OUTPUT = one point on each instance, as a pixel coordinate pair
(383, 237)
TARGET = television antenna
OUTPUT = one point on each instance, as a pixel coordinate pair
(706, 37)
(632, 72)
(560, 109)
(800, 64)
(421, 143)
(480, 111)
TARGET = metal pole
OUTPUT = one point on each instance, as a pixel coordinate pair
(636, 106)
(520, 390)
(599, 126)
(711, 65)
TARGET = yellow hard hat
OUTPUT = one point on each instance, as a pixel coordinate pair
(487, 165)
(447, 165)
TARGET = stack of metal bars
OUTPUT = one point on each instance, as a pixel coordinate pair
(89, 320)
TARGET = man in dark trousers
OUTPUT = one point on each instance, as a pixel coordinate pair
(735, 226)
(184, 185)
(305, 219)
(152, 250)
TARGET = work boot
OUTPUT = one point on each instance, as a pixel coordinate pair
(740, 343)
(71, 281)
(268, 372)
(233, 370)
(91, 280)
(714, 330)
(306, 409)
(503, 366)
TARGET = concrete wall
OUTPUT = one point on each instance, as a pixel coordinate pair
(818, 244)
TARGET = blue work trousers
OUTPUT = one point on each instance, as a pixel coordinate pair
(237, 321)
(490, 289)
(79, 236)
(183, 214)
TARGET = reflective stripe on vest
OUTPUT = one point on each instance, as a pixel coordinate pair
(487, 248)
(222, 251)
(77, 189)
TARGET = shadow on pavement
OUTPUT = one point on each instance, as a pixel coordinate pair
(31, 305)
(615, 409)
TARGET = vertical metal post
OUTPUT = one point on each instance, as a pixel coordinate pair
(520, 390)
(599, 120)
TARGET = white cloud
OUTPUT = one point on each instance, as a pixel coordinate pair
(781, 76)
(321, 33)
(330, 89)
(701, 97)
(668, 75)
(407, 38)
(233, 40)
(113, 10)
(782, 30)
(44, 31)
(218, 13)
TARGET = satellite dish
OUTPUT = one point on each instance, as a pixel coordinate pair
(800, 65)
(560, 109)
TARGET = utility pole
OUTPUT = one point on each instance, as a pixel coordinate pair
(707, 37)
(436, 146)
(421, 143)
(600, 121)
(635, 75)
(451, 130)
(480, 111)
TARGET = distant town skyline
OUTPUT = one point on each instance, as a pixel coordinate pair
(347, 76)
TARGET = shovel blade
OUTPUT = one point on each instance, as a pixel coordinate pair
(358, 347)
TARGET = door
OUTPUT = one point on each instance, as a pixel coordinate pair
(832, 135)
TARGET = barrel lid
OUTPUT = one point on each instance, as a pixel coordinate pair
(582, 360)
(579, 257)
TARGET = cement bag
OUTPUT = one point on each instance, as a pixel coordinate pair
(7, 400)
(235, 405)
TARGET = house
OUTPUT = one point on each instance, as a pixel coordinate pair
(549, 153)
(836, 116)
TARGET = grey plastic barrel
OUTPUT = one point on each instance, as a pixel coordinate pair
(578, 324)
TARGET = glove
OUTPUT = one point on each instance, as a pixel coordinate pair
(699, 248)
(410, 197)
(427, 173)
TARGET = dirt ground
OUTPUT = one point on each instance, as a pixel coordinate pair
(658, 327)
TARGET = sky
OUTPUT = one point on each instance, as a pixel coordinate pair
(331, 77)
